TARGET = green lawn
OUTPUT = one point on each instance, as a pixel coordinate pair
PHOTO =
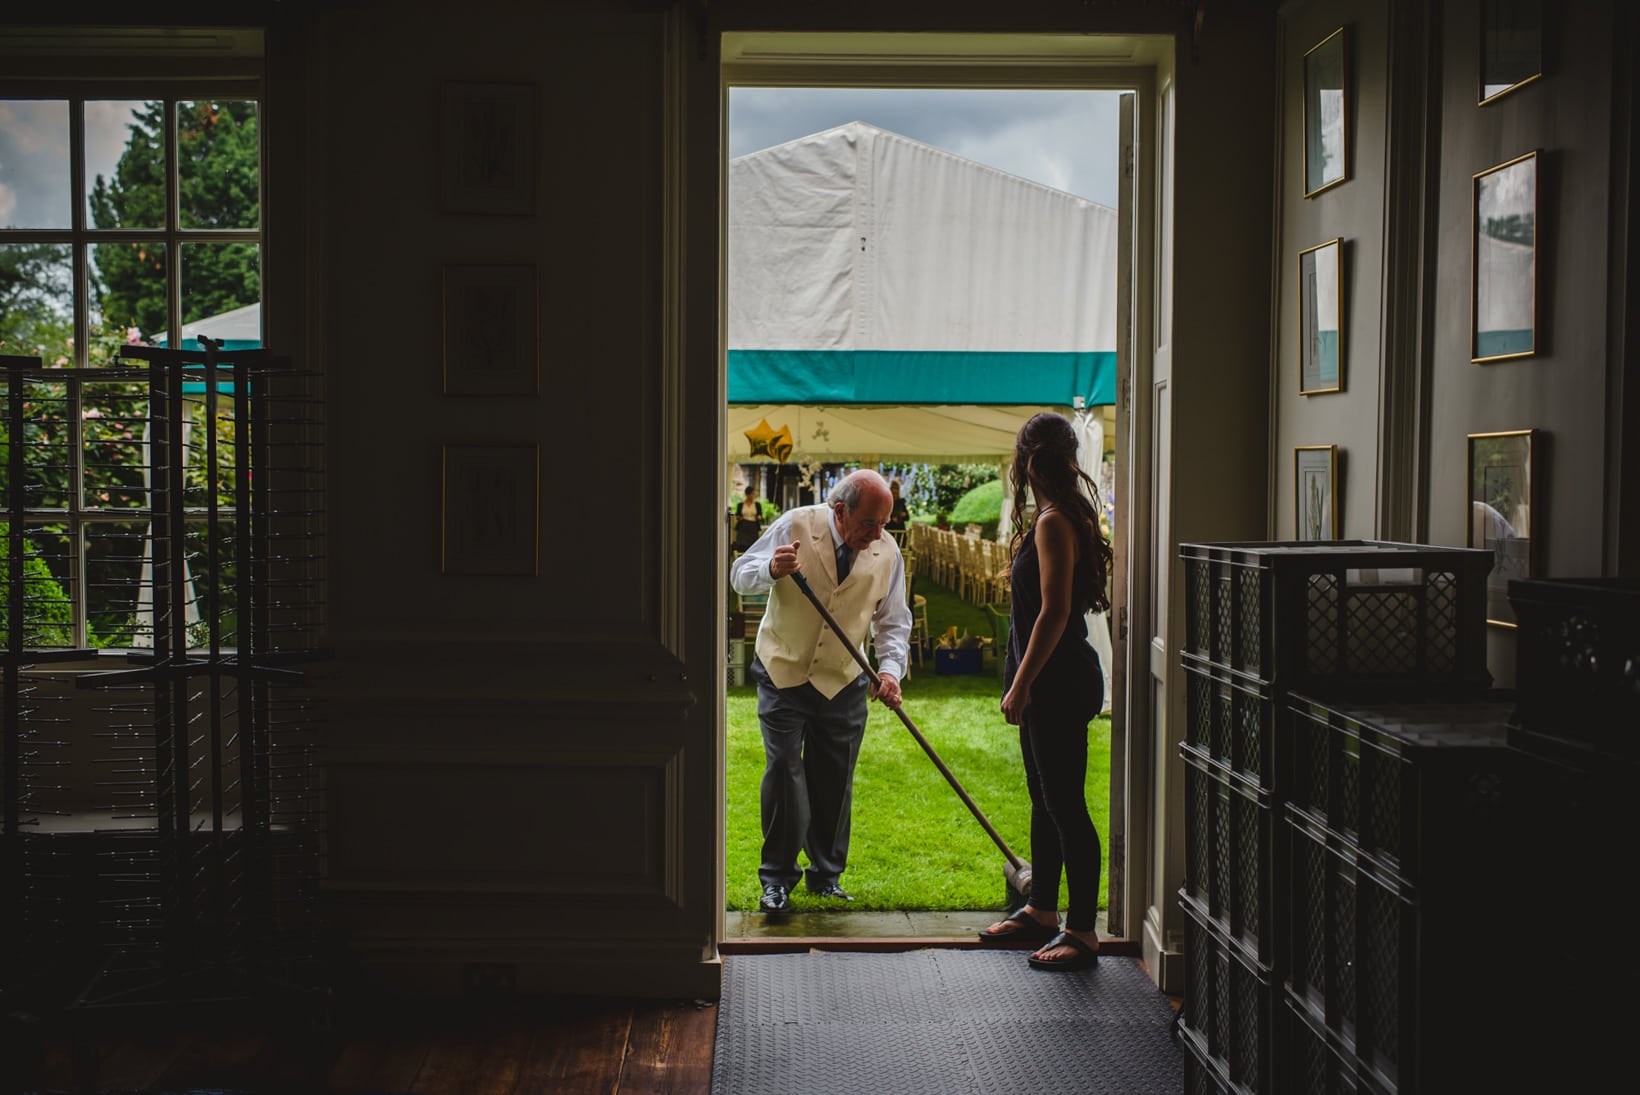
(915, 845)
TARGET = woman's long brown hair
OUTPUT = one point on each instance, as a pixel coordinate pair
(1045, 461)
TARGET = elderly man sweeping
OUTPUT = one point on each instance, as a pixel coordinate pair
(811, 692)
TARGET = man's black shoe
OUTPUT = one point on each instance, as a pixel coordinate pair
(775, 900)
(832, 889)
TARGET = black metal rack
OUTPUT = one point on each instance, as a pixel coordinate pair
(162, 840)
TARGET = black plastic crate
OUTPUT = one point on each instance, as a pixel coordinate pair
(1232, 719)
(1231, 875)
(1354, 949)
(1202, 1075)
(1578, 665)
(1230, 1011)
(1419, 993)
(1410, 617)
(1317, 1066)
(1413, 787)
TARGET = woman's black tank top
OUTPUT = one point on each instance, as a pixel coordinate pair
(1072, 682)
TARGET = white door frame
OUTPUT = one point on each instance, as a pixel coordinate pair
(1039, 61)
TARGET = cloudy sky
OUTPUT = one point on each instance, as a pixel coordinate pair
(1062, 139)
(34, 175)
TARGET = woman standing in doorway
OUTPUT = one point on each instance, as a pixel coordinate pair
(1053, 687)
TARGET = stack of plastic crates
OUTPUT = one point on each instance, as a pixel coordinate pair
(1402, 862)
(1262, 619)
(1576, 730)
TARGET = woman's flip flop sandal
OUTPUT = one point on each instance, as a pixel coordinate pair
(1083, 957)
(1025, 929)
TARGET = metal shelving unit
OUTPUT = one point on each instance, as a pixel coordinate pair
(163, 833)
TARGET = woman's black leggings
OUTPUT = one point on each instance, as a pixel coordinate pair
(1063, 837)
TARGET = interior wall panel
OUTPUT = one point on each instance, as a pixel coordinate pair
(1353, 212)
(1566, 117)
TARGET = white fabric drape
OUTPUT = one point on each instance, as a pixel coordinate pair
(1090, 453)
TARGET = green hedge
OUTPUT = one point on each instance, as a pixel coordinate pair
(49, 616)
(981, 506)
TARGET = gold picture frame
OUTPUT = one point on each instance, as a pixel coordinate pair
(1321, 318)
(491, 329)
(1503, 261)
(1501, 468)
(1511, 47)
(490, 509)
(488, 148)
(1315, 492)
(1326, 113)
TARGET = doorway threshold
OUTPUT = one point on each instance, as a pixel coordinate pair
(882, 932)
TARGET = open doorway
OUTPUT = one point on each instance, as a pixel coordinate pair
(915, 428)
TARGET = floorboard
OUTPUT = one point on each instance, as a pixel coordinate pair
(671, 1050)
(579, 1048)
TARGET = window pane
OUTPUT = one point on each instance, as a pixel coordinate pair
(128, 299)
(212, 576)
(221, 294)
(198, 471)
(48, 607)
(34, 168)
(48, 456)
(119, 584)
(36, 301)
(220, 173)
(114, 431)
(125, 164)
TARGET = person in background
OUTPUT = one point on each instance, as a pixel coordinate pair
(1053, 687)
(899, 513)
(748, 520)
(811, 693)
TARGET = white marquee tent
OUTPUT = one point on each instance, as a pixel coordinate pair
(891, 301)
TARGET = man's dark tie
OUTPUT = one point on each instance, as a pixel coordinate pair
(844, 557)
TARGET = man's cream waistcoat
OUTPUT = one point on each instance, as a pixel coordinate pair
(793, 642)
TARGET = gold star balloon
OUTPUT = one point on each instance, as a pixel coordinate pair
(760, 436)
(780, 446)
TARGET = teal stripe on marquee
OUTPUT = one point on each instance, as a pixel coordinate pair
(921, 376)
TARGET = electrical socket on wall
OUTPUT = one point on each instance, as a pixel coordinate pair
(490, 978)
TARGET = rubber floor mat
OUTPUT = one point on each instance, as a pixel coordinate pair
(944, 1022)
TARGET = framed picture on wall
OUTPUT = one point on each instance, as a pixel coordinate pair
(1315, 486)
(1504, 261)
(1502, 467)
(1321, 318)
(488, 149)
(491, 321)
(1511, 37)
(490, 512)
(1326, 113)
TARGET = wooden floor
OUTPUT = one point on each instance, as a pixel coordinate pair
(559, 1045)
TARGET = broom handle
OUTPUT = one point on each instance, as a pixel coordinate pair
(950, 777)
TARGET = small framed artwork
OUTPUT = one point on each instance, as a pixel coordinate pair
(488, 151)
(1321, 318)
(1503, 300)
(491, 330)
(1511, 46)
(1326, 114)
(1315, 484)
(490, 517)
(1502, 467)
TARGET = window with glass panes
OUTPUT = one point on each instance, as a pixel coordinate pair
(124, 220)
